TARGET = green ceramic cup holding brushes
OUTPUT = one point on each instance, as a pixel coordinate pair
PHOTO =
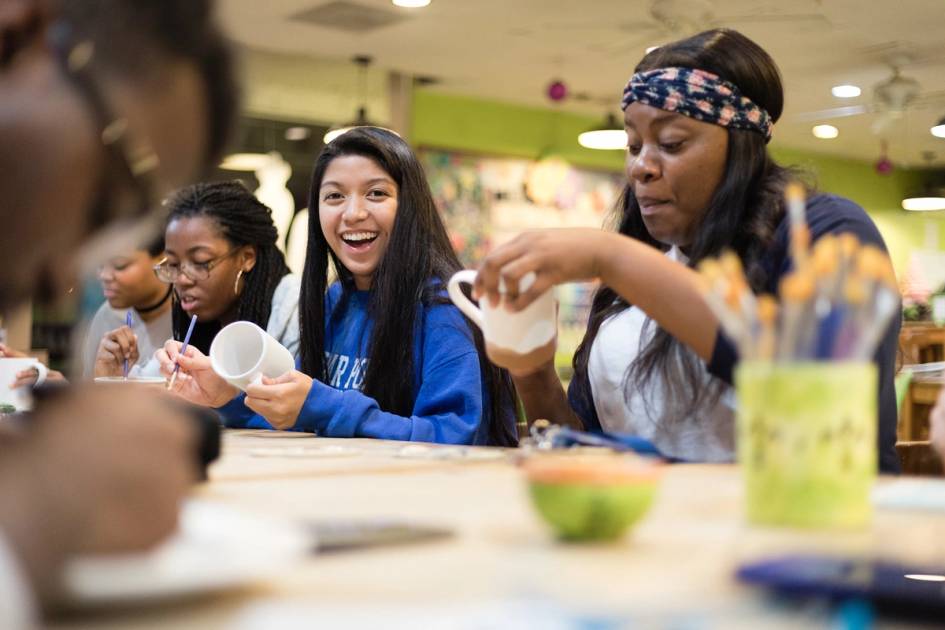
(807, 442)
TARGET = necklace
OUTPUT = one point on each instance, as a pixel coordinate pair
(148, 309)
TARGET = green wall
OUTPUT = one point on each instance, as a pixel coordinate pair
(480, 126)
(473, 125)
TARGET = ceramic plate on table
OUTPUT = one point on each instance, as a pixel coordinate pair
(215, 548)
(925, 368)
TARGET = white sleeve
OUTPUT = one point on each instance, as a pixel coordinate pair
(16, 600)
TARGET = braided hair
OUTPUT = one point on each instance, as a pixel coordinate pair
(242, 220)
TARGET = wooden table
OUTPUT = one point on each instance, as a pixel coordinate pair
(679, 560)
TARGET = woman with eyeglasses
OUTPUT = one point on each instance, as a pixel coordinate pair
(222, 259)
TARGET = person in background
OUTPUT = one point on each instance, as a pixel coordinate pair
(94, 470)
(131, 287)
(223, 260)
(384, 353)
(653, 363)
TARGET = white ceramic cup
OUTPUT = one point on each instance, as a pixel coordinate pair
(9, 368)
(521, 340)
(242, 353)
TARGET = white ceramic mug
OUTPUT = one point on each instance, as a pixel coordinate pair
(521, 340)
(242, 353)
(19, 397)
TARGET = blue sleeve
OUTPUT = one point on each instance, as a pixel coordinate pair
(447, 409)
(236, 415)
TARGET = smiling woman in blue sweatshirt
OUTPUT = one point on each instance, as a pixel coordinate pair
(383, 352)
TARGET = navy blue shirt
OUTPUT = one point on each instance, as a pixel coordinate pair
(826, 214)
(451, 400)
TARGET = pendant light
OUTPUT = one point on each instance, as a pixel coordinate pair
(361, 120)
(929, 197)
(939, 129)
(609, 136)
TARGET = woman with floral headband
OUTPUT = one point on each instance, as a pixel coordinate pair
(698, 114)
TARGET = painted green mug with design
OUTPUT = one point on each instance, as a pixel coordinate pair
(807, 442)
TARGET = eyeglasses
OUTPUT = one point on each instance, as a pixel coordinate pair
(170, 272)
(133, 160)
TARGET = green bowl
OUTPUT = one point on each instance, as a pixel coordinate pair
(595, 500)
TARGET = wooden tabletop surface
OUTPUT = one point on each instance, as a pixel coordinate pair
(679, 560)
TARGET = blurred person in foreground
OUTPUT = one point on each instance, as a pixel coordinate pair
(105, 107)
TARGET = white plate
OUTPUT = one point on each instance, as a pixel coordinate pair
(215, 548)
(925, 368)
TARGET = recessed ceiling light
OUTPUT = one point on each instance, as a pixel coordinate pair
(845, 91)
(650, 49)
(825, 132)
(411, 4)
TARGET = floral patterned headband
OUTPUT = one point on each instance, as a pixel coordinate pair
(697, 94)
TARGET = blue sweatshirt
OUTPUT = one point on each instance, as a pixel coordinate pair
(826, 214)
(450, 395)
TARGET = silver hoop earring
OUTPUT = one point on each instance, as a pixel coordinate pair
(236, 285)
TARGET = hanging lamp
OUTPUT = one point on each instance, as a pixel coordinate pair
(361, 119)
(609, 136)
(929, 197)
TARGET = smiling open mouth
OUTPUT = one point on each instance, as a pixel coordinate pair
(359, 240)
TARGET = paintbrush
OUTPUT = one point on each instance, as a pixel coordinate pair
(795, 196)
(183, 349)
(124, 364)
(767, 319)
(796, 290)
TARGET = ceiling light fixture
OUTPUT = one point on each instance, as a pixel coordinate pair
(923, 204)
(939, 129)
(825, 132)
(845, 91)
(928, 198)
(609, 136)
(244, 161)
(923, 577)
(297, 134)
(410, 4)
(361, 120)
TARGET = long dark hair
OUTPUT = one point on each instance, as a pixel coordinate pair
(242, 220)
(742, 214)
(418, 262)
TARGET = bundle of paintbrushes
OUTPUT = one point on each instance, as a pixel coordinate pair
(835, 304)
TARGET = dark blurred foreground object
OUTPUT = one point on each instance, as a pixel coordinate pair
(206, 420)
(913, 592)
